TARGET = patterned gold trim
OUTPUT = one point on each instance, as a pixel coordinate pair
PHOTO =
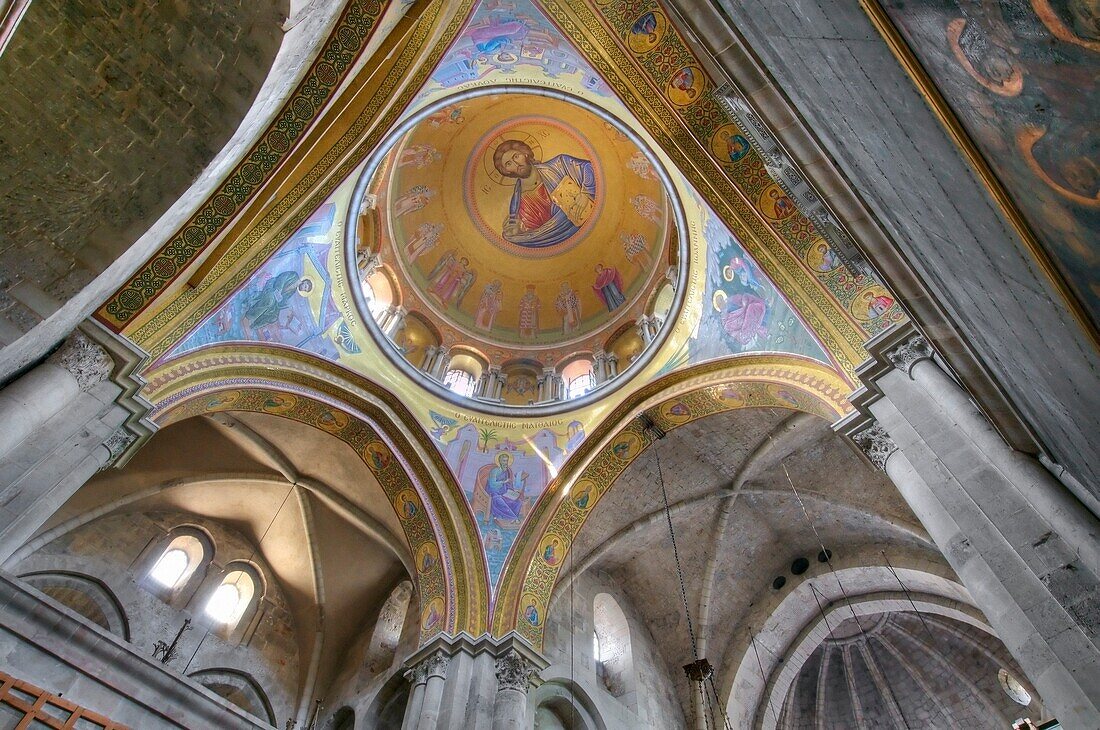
(678, 131)
(183, 312)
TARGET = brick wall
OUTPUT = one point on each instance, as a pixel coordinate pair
(111, 109)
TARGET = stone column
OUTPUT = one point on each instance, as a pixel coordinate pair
(60, 424)
(395, 321)
(429, 359)
(612, 365)
(418, 678)
(435, 668)
(1022, 546)
(45, 391)
(368, 264)
(642, 326)
(1050, 499)
(513, 672)
(599, 367)
(442, 360)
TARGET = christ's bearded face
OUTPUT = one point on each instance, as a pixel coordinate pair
(515, 163)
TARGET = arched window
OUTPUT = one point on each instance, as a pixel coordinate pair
(170, 568)
(378, 292)
(463, 372)
(387, 630)
(178, 561)
(577, 377)
(611, 646)
(460, 382)
(233, 596)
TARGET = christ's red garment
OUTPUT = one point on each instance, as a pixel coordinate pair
(534, 207)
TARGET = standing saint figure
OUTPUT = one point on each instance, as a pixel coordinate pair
(568, 305)
(423, 240)
(551, 200)
(529, 313)
(609, 287)
(446, 277)
(635, 247)
(416, 199)
(488, 305)
(464, 286)
(418, 155)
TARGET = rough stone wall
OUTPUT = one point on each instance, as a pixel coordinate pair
(366, 679)
(652, 702)
(106, 550)
(111, 109)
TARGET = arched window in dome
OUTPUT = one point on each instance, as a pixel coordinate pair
(178, 561)
(379, 293)
(463, 372)
(577, 377)
(460, 382)
(232, 598)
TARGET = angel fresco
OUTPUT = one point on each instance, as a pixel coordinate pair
(744, 312)
(447, 277)
(287, 301)
(551, 200)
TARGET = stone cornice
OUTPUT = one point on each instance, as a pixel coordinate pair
(510, 648)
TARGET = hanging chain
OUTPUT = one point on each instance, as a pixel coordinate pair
(708, 680)
(920, 614)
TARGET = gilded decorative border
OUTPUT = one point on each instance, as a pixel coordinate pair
(344, 44)
(784, 381)
(211, 369)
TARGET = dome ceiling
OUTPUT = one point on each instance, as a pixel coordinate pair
(520, 221)
(423, 253)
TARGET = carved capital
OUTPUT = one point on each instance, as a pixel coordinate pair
(436, 665)
(88, 362)
(909, 353)
(417, 675)
(514, 671)
(876, 443)
(117, 443)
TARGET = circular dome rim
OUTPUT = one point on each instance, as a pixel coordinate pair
(420, 379)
